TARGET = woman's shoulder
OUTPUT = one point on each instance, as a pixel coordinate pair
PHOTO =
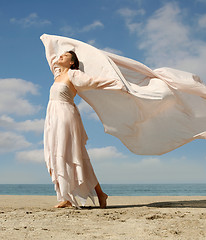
(75, 72)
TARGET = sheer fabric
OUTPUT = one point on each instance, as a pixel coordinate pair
(151, 111)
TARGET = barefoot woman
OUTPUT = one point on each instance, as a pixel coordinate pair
(65, 138)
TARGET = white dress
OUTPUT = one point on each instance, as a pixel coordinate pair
(64, 144)
(66, 157)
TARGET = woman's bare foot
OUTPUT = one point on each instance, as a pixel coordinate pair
(63, 204)
(103, 200)
(102, 197)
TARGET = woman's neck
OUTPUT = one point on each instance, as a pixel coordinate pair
(64, 70)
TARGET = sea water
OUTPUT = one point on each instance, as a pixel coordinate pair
(112, 189)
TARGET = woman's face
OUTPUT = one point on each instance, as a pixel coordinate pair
(65, 60)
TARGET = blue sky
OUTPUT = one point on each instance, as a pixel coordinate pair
(157, 33)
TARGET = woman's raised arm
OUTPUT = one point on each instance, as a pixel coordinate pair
(82, 81)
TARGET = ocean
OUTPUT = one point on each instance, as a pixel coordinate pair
(112, 189)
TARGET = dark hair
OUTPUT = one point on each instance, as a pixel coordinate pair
(75, 60)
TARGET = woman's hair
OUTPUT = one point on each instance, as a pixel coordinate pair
(75, 60)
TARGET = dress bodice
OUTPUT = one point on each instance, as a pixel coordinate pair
(60, 91)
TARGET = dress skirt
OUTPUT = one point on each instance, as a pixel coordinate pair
(66, 157)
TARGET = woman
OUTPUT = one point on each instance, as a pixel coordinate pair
(64, 136)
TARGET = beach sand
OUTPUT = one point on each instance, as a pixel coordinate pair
(142, 218)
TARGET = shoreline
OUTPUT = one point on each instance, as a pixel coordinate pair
(127, 217)
(45, 200)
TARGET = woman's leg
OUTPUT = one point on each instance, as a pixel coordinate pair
(102, 197)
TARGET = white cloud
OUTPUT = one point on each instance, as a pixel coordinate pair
(92, 42)
(21, 86)
(105, 153)
(150, 170)
(36, 125)
(167, 170)
(86, 110)
(36, 155)
(167, 39)
(32, 20)
(10, 142)
(111, 50)
(128, 15)
(202, 21)
(134, 27)
(68, 30)
(13, 100)
(92, 26)
(149, 162)
(107, 49)
(12, 97)
(96, 154)
(165, 42)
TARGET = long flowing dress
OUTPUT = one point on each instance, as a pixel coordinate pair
(64, 146)
(66, 157)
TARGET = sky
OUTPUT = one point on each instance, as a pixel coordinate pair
(158, 33)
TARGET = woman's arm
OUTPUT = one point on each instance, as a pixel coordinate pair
(82, 81)
(55, 67)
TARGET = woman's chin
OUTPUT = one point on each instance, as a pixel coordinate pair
(59, 63)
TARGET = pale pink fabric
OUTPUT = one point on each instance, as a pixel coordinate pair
(65, 138)
(153, 112)
(64, 147)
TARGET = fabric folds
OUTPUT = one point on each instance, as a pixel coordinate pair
(64, 148)
(151, 111)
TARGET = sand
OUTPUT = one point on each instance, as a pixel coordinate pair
(128, 218)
